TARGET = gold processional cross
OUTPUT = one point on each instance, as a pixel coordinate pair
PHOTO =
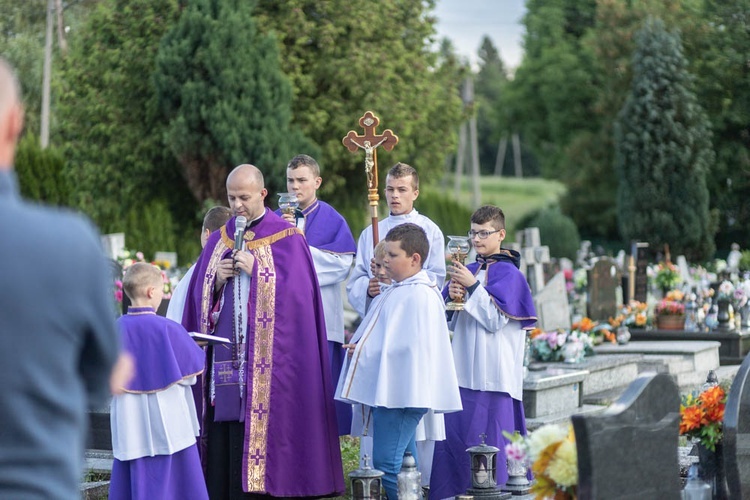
(370, 141)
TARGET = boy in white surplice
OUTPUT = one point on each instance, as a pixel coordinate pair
(401, 364)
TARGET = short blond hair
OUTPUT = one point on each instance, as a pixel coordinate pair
(379, 251)
(139, 277)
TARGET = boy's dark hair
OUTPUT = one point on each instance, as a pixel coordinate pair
(216, 217)
(400, 170)
(491, 214)
(304, 161)
(140, 276)
(413, 240)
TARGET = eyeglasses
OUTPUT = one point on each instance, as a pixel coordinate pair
(483, 235)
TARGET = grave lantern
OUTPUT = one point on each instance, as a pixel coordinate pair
(366, 482)
(483, 460)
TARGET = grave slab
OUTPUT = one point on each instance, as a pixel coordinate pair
(735, 345)
(687, 362)
(552, 390)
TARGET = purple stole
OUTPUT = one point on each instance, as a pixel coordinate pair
(326, 229)
(163, 351)
(287, 404)
(507, 286)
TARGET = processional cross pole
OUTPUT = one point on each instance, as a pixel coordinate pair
(370, 141)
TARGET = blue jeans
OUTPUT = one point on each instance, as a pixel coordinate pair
(393, 435)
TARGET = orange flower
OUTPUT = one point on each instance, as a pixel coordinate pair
(536, 332)
(640, 319)
(715, 413)
(692, 418)
(712, 397)
(584, 325)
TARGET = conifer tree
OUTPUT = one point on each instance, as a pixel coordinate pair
(221, 88)
(663, 151)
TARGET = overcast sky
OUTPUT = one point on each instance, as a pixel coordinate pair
(465, 22)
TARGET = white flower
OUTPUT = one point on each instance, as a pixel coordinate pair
(543, 437)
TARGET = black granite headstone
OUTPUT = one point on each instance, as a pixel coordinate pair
(737, 434)
(639, 251)
(629, 451)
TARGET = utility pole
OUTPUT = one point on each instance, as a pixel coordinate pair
(44, 139)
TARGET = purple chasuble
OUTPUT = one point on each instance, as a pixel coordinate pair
(507, 286)
(326, 229)
(163, 350)
(287, 408)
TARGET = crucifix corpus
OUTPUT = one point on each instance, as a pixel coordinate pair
(370, 141)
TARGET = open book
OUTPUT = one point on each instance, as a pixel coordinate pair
(211, 339)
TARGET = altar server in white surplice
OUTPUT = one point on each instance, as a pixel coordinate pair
(401, 365)
(401, 190)
(488, 347)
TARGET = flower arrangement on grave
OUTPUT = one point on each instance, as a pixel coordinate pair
(702, 416)
(127, 258)
(667, 276)
(598, 332)
(671, 305)
(725, 291)
(561, 345)
(551, 453)
(634, 314)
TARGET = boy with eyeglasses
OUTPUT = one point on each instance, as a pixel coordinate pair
(488, 347)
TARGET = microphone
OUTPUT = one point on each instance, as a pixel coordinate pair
(240, 225)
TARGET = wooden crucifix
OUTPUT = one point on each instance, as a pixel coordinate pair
(370, 141)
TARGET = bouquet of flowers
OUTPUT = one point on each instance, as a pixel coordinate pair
(671, 305)
(725, 291)
(598, 333)
(633, 315)
(127, 258)
(667, 276)
(551, 453)
(560, 345)
(701, 416)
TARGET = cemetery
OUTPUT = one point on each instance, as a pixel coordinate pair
(602, 370)
(616, 145)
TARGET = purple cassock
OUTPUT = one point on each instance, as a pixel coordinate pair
(326, 230)
(282, 392)
(164, 354)
(484, 412)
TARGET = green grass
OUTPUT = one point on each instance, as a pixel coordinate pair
(517, 197)
(350, 459)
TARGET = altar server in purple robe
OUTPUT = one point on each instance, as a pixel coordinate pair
(401, 366)
(154, 422)
(332, 247)
(489, 337)
(270, 422)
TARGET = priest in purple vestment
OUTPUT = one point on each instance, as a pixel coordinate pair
(269, 419)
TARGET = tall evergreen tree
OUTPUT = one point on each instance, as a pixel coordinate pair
(345, 57)
(221, 88)
(106, 119)
(663, 150)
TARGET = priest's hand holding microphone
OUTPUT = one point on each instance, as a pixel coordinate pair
(239, 260)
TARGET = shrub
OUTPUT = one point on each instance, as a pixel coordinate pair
(557, 231)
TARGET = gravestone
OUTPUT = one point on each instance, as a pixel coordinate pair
(737, 434)
(682, 265)
(169, 257)
(551, 304)
(639, 287)
(603, 282)
(533, 256)
(629, 451)
(113, 244)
